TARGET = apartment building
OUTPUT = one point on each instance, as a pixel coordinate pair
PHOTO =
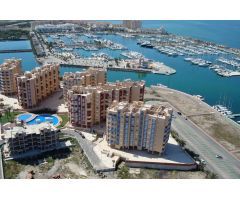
(138, 126)
(132, 24)
(9, 70)
(91, 77)
(88, 105)
(37, 85)
(22, 139)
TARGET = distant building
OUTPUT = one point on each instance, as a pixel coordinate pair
(160, 30)
(37, 85)
(90, 77)
(138, 126)
(132, 24)
(39, 137)
(52, 28)
(9, 70)
(88, 105)
(37, 45)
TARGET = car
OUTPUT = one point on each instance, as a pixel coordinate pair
(179, 113)
(77, 131)
(218, 156)
(203, 161)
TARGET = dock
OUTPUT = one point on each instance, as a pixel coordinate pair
(159, 68)
(234, 115)
(15, 50)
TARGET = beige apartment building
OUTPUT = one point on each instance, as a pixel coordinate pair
(22, 139)
(88, 105)
(9, 70)
(91, 77)
(37, 85)
(132, 24)
(138, 126)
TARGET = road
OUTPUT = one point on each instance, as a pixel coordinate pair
(207, 148)
(88, 150)
(1, 166)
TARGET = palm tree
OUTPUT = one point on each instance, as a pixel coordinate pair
(9, 108)
(5, 112)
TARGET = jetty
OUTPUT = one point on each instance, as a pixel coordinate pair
(15, 50)
(155, 67)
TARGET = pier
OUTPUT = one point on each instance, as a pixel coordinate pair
(234, 115)
(16, 51)
(159, 68)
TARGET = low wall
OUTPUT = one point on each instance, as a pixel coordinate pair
(165, 166)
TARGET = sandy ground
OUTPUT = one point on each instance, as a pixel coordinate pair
(212, 122)
(73, 167)
(54, 102)
(164, 174)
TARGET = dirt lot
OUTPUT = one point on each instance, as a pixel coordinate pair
(137, 173)
(161, 174)
(212, 122)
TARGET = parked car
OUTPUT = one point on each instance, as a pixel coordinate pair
(77, 131)
(218, 156)
(203, 161)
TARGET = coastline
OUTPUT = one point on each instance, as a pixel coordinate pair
(220, 128)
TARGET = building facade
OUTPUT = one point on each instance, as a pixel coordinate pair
(138, 126)
(22, 139)
(132, 24)
(9, 70)
(90, 77)
(88, 105)
(37, 85)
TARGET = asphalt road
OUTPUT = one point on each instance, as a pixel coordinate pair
(88, 149)
(207, 148)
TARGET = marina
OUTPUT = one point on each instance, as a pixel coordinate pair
(198, 61)
(203, 80)
(167, 44)
(132, 55)
(226, 112)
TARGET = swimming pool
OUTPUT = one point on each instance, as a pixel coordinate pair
(24, 116)
(32, 119)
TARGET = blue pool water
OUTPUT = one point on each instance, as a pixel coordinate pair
(24, 116)
(44, 118)
(39, 119)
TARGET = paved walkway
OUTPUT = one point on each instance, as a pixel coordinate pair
(1, 166)
(87, 147)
